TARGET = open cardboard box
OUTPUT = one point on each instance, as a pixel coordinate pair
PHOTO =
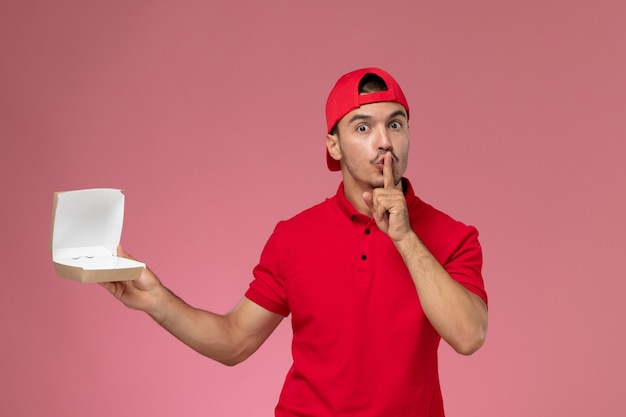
(86, 231)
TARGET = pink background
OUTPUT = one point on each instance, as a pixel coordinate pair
(210, 117)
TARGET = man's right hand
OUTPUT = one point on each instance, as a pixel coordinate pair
(139, 294)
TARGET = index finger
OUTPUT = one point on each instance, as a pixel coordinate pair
(388, 171)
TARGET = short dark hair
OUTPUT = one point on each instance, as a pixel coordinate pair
(372, 83)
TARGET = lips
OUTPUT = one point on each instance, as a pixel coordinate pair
(379, 161)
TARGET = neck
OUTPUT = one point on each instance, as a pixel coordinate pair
(354, 194)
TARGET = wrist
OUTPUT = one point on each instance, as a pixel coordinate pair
(161, 302)
(408, 243)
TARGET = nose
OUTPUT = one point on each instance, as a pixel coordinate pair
(383, 140)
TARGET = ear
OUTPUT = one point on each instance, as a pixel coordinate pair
(333, 147)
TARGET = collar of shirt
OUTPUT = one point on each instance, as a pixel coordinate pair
(351, 213)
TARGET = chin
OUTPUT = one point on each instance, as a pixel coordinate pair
(377, 184)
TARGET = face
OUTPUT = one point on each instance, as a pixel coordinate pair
(363, 138)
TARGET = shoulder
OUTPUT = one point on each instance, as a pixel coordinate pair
(427, 215)
(440, 232)
(313, 217)
(427, 218)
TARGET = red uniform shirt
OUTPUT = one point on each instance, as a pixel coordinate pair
(362, 345)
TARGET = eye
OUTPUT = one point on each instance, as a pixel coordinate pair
(395, 125)
(362, 128)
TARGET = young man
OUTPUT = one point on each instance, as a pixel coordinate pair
(373, 278)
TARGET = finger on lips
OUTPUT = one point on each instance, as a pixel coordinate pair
(388, 171)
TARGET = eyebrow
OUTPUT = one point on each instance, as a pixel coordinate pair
(368, 117)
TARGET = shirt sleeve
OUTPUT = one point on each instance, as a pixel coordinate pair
(267, 289)
(465, 264)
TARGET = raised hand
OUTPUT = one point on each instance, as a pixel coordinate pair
(388, 205)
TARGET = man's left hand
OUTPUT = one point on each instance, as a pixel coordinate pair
(388, 204)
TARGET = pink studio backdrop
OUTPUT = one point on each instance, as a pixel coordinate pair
(209, 115)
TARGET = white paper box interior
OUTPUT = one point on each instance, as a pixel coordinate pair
(86, 230)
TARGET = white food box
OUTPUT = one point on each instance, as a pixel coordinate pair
(86, 231)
